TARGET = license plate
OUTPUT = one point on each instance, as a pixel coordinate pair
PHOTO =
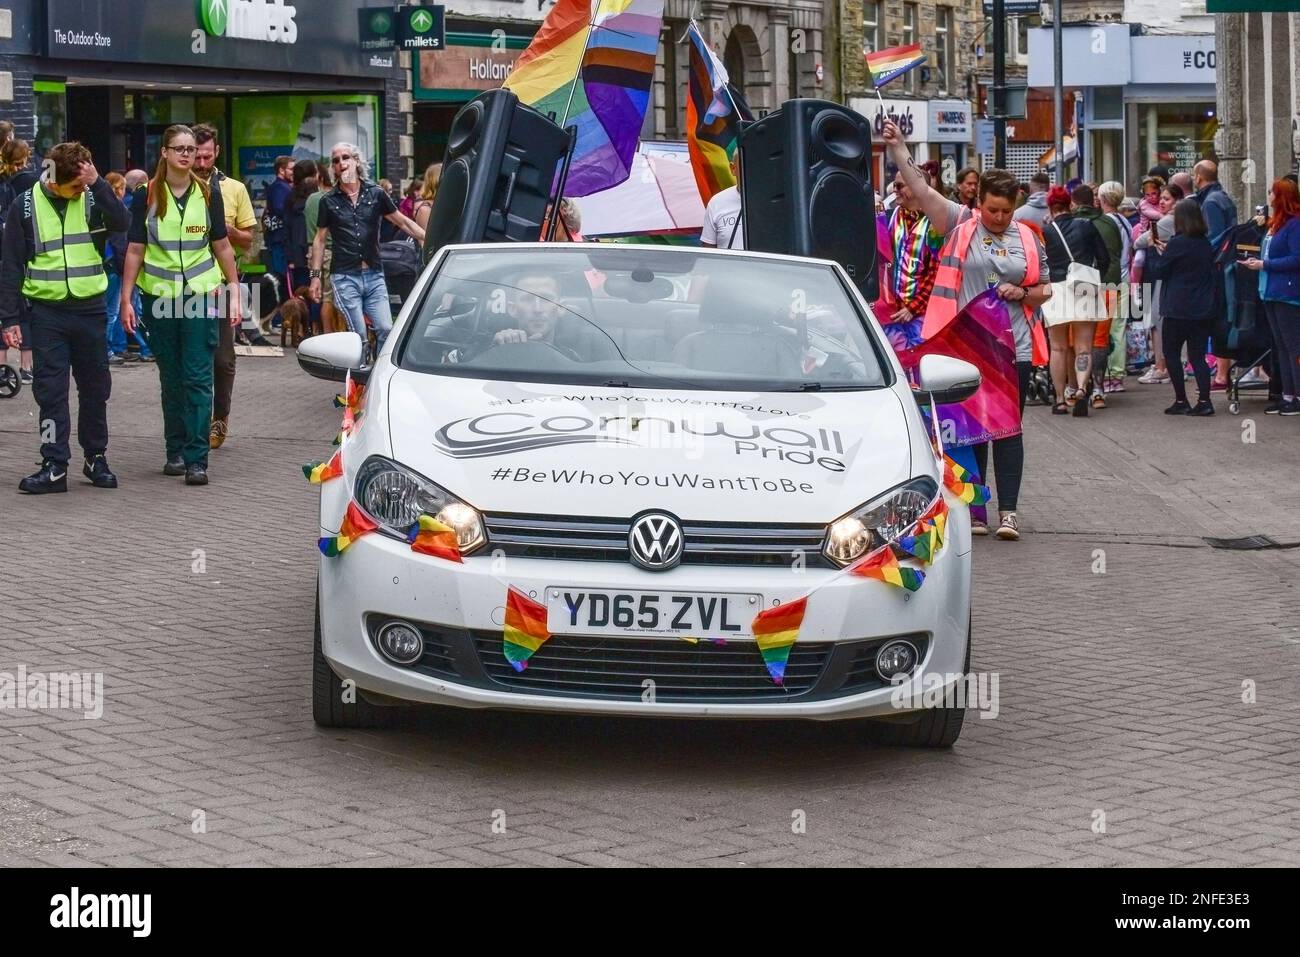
(576, 611)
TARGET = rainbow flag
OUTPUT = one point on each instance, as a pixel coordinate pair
(355, 524)
(319, 472)
(713, 117)
(525, 628)
(776, 631)
(350, 403)
(591, 65)
(886, 65)
(428, 536)
(882, 565)
(937, 516)
(957, 480)
(924, 543)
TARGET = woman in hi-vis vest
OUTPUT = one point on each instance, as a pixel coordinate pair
(983, 249)
(179, 252)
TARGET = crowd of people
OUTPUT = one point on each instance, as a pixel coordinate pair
(131, 266)
(1108, 281)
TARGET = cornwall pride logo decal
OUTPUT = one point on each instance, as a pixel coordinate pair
(500, 433)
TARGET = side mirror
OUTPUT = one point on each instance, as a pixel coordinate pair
(332, 355)
(947, 379)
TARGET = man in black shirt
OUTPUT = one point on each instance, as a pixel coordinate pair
(350, 215)
(49, 259)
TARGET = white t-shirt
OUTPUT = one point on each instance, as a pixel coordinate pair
(720, 218)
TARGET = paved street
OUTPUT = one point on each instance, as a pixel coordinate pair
(1121, 692)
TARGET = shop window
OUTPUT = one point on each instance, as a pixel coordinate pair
(1175, 134)
(1107, 102)
(51, 108)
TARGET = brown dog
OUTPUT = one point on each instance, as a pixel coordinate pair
(295, 318)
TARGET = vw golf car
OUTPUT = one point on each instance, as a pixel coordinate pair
(621, 455)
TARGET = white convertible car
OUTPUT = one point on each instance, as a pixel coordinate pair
(646, 446)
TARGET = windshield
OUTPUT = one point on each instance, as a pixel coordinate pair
(639, 316)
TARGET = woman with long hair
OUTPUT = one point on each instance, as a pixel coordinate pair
(1278, 266)
(984, 252)
(1162, 229)
(428, 192)
(1185, 267)
(179, 251)
(304, 186)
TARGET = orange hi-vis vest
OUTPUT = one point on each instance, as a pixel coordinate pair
(942, 308)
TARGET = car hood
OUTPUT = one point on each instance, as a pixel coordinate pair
(608, 452)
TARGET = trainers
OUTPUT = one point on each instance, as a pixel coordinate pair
(1255, 376)
(116, 359)
(1203, 407)
(978, 528)
(26, 375)
(175, 465)
(1178, 408)
(1151, 377)
(196, 474)
(217, 433)
(52, 477)
(1290, 408)
(147, 358)
(1274, 407)
(1008, 529)
(132, 356)
(96, 469)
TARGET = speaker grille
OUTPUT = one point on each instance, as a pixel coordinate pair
(840, 202)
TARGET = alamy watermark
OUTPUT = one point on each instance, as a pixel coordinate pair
(215, 302)
(25, 690)
(973, 691)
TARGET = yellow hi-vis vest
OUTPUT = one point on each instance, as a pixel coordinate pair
(178, 254)
(66, 265)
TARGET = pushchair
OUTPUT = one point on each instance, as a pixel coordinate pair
(11, 383)
(1241, 332)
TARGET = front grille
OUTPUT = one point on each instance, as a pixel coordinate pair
(605, 540)
(617, 669)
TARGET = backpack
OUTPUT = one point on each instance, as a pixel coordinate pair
(400, 260)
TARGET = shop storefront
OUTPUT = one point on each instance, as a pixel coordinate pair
(1145, 99)
(952, 130)
(912, 118)
(479, 56)
(275, 78)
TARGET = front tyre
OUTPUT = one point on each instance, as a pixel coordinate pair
(332, 704)
(936, 728)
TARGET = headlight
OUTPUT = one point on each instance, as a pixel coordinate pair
(396, 497)
(880, 520)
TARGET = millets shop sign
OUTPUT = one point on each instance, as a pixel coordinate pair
(224, 34)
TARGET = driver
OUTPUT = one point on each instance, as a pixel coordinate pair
(535, 308)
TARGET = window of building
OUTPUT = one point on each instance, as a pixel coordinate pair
(909, 37)
(1107, 102)
(1176, 135)
(873, 26)
(943, 33)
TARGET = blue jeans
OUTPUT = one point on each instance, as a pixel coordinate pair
(116, 334)
(362, 294)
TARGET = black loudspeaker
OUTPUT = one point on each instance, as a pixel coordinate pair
(806, 187)
(497, 174)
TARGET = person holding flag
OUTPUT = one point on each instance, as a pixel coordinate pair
(984, 252)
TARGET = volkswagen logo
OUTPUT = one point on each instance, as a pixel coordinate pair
(655, 542)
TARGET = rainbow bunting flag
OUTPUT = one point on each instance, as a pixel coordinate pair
(350, 403)
(776, 631)
(319, 472)
(525, 628)
(957, 480)
(937, 516)
(885, 65)
(882, 565)
(924, 543)
(713, 117)
(355, 524)
(428, 536)
(591, 65)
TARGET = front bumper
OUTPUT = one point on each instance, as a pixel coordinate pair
(460, 610)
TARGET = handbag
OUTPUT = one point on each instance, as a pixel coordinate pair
(1078, 297)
